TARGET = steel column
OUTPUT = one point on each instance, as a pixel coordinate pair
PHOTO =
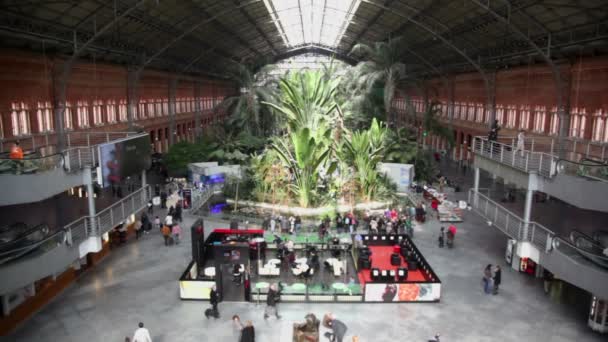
(172, 90)
(132, 99)
(88, 177)
(197, 110)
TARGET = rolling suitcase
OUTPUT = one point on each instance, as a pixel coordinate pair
(212, 313)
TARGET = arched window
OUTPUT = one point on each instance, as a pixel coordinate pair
(20, 121)
(97, 112)
(82, 113)
(122, 110)
(44, 115)
(111, 111)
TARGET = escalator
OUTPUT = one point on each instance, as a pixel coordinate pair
(18, 240)
(591, 248)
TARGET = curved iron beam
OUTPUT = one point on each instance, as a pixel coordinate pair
(487, 82)
(314, 48)
(59, 95)
(192, 29)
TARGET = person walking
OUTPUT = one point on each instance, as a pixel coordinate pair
(247, 331)
(158, 223)
(141, 334)
(214, 299)
(177, 232)
(273, 224)
(487, 279)
(337, 327)
(520, 142)
(497, 279)
(169, 219)
(150, 207)
(138, 229)
(166, 231)
(441, 237)
(271, 301)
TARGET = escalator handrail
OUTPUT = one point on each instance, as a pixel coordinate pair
(35, 244)
(603, 260)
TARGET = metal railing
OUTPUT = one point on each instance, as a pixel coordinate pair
(526, 160)
(32, 163)
(35, 142)
(586, 168)
(510, 223)
(203, 196)
(118, 212)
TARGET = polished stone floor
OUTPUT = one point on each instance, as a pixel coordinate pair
(138, 282)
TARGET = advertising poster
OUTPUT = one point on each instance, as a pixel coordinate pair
(121, 159)
(195, 289)
(409, 292)
(186, 198)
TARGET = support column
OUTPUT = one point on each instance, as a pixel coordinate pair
(527, 212)
(59, 98)
(172, 89)
(6, 305)
(144, 180)
(476, 186)
(132, 98)
(491, 98)
(563, 112)
(198, 113)
(88, 178)
(451, 84)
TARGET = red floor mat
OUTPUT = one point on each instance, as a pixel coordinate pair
(381, 258)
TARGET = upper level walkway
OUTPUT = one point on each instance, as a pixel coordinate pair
(582, 182)
(45, 171)
(548, 231)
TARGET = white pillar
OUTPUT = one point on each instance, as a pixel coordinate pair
(88, 178)
(144, 181)
(527, 212)
(476, 187)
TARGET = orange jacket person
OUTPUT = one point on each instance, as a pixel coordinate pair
(16, 152)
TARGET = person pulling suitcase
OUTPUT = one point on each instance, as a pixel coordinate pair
(214, 299)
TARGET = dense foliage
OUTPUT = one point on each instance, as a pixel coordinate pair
(315, 137)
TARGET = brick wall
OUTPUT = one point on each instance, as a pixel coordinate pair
(27, 83)
(526, 99)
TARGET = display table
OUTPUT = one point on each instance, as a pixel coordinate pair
(449, 212)
(298, 287)
(261, 285)
(209, 271)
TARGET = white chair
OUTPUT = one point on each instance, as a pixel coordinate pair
(269, 270)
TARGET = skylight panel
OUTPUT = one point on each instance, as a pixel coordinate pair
(312, 22)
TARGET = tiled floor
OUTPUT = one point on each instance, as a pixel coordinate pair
(138, 282)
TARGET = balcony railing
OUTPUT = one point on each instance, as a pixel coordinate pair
(31, 163)
(36, 142)
(526, 160)
(117, 213)
(510, 223)
(82, 153)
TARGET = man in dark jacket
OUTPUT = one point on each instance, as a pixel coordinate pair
(338, 328)
(214, 299)
(497, 279)
(271, 301)
(247, 332)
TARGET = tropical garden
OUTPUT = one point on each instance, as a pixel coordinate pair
(310, 138)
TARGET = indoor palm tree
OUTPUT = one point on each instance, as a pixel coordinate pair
(245, 108)
(381, 65)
